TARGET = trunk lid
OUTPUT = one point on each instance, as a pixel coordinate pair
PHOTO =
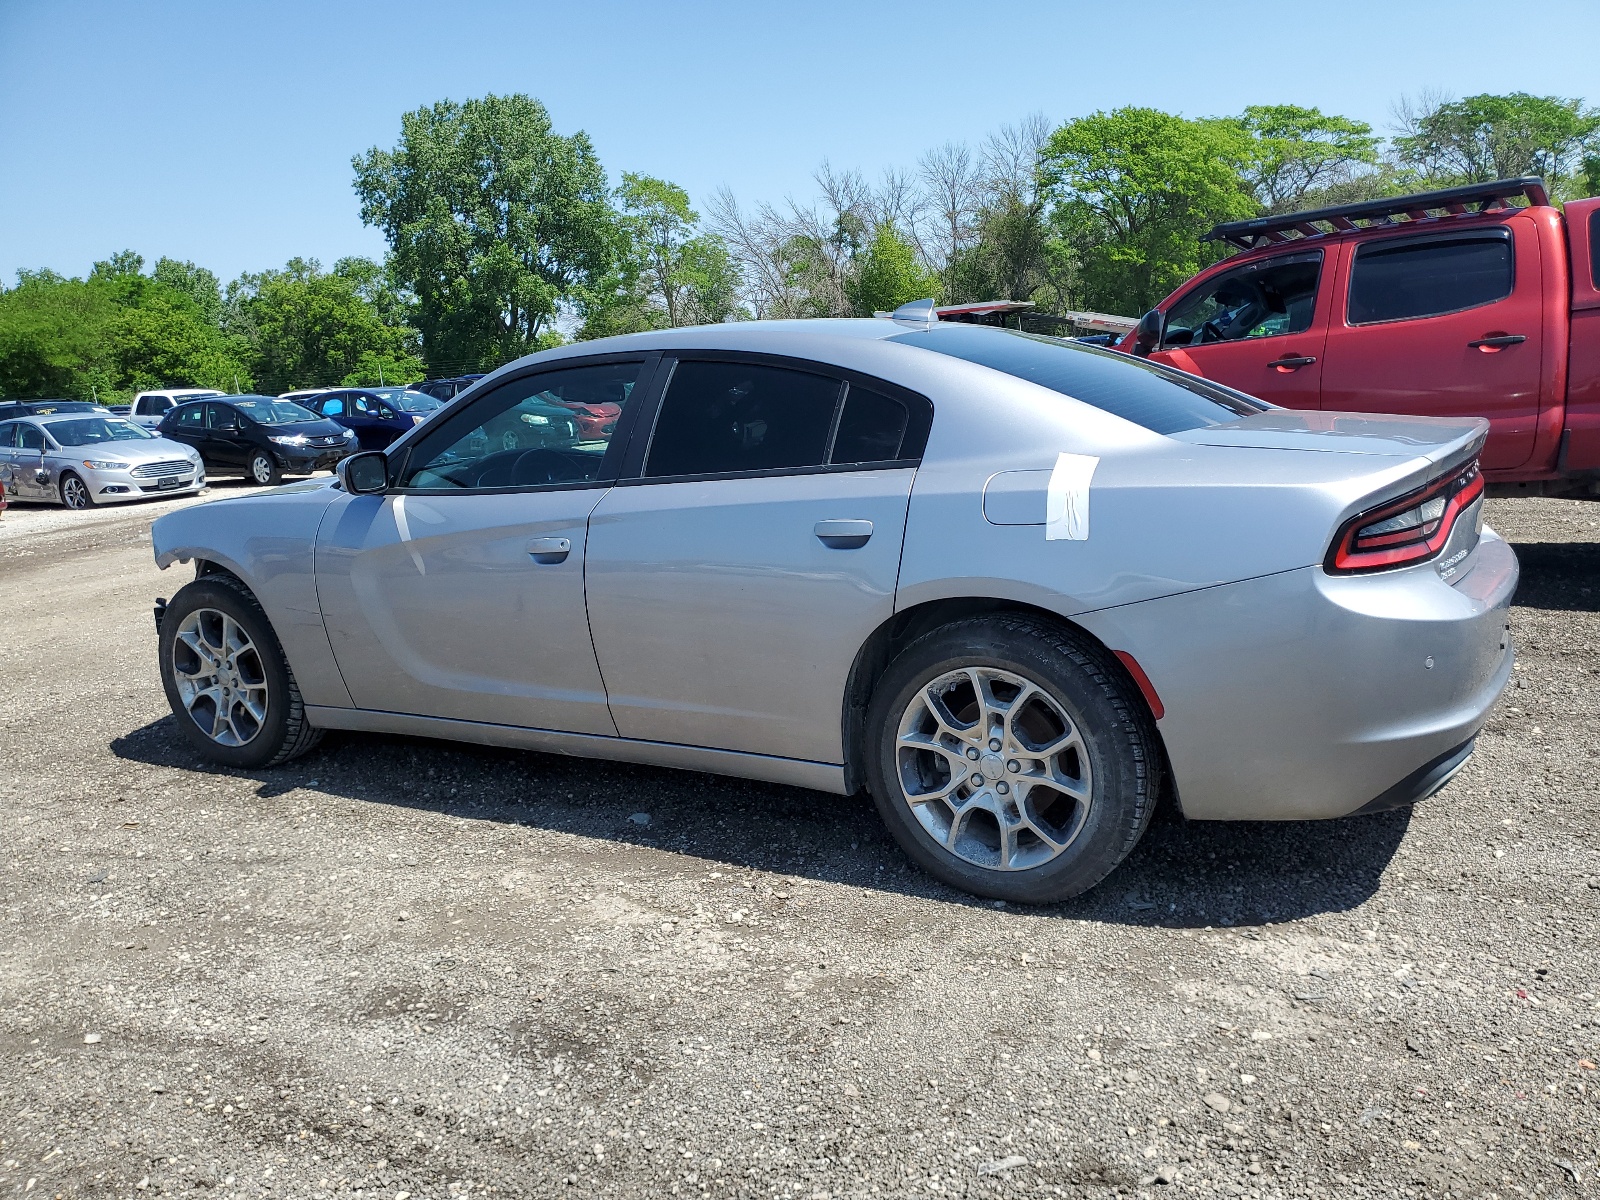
(1442, 441)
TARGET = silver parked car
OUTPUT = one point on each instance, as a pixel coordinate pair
(84, 459)
(1015, 587)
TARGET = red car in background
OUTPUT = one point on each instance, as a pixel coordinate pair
(596, 418)
(1448, 303)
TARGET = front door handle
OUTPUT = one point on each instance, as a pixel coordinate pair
(1292, 362)
(843, 535)
(1490, 344)
(549, 551)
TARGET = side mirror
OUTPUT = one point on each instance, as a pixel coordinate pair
(1147, 336)
(365, 474)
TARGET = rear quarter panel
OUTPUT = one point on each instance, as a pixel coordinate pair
(268, 541)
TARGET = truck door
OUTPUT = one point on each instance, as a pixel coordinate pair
(1444, 324)
(1259, 328)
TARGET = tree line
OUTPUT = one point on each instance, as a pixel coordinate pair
(506, 236)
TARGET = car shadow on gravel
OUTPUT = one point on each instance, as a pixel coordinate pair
(1560, 576)
(1182, 874)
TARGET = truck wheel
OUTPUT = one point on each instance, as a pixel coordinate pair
(1010, 758)
(227, 680)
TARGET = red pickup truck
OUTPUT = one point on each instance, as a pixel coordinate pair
(1448, 303)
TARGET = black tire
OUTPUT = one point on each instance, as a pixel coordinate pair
(74, 491)
(1125, 763)
(262, 468)
(284, 733)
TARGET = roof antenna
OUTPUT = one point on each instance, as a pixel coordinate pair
(919, 314)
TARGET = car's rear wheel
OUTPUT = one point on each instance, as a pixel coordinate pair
(227, 679)
(264, 469)
(75, 492)
(1010, 758)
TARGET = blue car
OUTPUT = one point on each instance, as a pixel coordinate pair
(377, 416)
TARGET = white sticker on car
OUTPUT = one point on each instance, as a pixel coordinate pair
(1067, 500)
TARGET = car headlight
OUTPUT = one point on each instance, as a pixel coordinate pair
(105, 464)
(535, 419)
(416, 418)
(290, 439)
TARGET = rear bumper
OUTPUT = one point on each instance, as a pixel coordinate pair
(1304, 695)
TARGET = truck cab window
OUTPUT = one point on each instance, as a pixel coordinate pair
(1429, 278)
(1264, 299)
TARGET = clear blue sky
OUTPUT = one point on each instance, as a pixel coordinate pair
(223, 132)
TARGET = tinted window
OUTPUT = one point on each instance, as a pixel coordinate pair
(1594, 248)
(29, 438)
(722, 416)
(1260, 300)
(872, 428)
(222, 417)
(192, 417)
(152, 405)
(523, 434)
(1161, 400)
(1426, 279)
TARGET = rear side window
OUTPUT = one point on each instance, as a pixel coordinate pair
(1158, 398)
(1429, 279)
(29, 438)
(721, 417)
(193, 417)
(872, 428)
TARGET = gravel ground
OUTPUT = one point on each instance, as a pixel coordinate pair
(401, 968)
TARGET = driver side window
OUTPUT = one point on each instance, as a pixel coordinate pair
(1265, 299)
(545, 429)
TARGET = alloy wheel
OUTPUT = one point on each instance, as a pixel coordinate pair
(74, 492)
(220, 676)
(261, 469)
(993, 768)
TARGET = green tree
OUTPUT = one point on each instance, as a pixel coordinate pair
(494, 222)
(197, 283)
(667, 273)
(1297, 151)
(109, 335)
(1134, 191)
(1488, 137)
(887, 274)
(308, 327)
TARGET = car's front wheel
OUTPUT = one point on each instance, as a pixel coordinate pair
(1010, 758)
(75, 492)
(264, 469)
(227, 679)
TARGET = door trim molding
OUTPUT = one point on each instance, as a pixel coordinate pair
(821, 777)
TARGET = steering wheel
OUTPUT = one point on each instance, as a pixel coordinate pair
(539, 465)
(1211, 331)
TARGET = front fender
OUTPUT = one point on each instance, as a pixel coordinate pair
(269, 542)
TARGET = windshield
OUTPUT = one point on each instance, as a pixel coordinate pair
(274, 412)
(415, 402)
(91, 431)
(1158, 398)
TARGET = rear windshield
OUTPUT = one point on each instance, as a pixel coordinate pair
(1156, 397)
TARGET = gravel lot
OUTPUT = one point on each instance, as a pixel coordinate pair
(402, 968)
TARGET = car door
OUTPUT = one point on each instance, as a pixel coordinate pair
(228, 440)
(460, 592)
(1446, 324)
(365, 420)
(732, 581)
(29, 467)
(1259, 328)
(187, 424)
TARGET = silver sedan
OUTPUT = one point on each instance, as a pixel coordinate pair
(1018, 589)
(84, 459)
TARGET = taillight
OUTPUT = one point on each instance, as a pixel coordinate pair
(1409, 530)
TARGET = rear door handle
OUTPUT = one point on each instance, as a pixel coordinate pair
(1292, 362)
(549, 551)
(843, 535)
(1498, 340)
